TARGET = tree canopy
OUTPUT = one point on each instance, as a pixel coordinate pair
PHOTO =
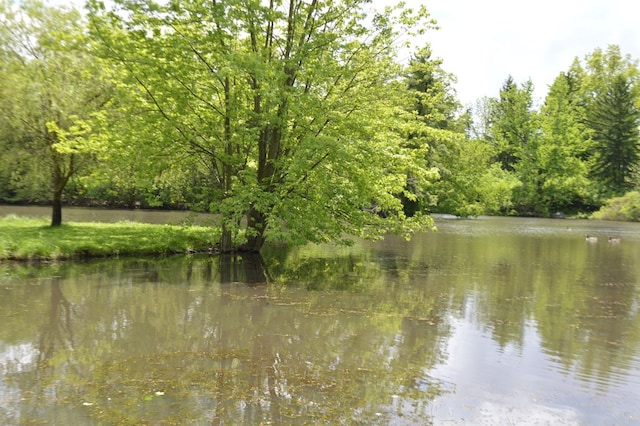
(294, 107)
(294, 120)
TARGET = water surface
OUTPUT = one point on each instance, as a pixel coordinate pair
(490, 321)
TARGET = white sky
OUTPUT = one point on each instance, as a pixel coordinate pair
(482, 42)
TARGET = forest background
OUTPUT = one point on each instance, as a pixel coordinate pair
(294, 120)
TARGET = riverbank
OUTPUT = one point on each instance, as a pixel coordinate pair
(24, 239)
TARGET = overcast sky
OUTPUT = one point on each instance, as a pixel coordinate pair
(482, 42)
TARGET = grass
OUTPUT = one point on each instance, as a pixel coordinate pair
(24, 238)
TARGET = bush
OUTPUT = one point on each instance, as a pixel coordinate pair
(625, 208)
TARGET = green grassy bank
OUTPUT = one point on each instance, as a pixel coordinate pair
(33, 239)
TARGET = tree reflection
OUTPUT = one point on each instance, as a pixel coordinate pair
(237, 353)
(248, 268)
(312, 335)
(57, 331)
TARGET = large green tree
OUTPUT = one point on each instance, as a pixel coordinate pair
(435, 98)
(435, 103)
(513, 123)
(614, 119)
(294, 107)
(514, 133)
(611, 97)
(50, 89)
(562, 150)
(469, 182)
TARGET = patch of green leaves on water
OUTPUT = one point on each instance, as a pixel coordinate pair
(231, 386)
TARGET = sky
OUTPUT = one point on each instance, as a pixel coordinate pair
(482, 42)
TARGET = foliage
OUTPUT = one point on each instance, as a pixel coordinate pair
(513, 124)
(614, 119)
(433, 88)
(472, 184)
(296, 123)
(577, 149)
(449, 153)
(562, 151)
(626, 208)
(295, 111)
(31, 239)
(50, 89)
(516, 137)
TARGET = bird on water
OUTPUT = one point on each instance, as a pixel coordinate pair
(591, 239)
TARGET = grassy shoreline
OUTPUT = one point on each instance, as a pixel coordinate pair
(23, 238)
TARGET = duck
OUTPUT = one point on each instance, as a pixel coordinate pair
(591, 239)
(614, 240)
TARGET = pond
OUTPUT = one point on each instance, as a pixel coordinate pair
(487, 321)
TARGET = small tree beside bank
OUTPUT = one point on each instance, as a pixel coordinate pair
(50, 88)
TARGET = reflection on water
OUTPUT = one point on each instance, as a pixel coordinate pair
(494, 321)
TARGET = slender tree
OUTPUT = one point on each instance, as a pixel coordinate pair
(435, 102)
(513, 124)
(50, 90)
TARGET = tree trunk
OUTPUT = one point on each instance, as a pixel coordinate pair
(59, 179)
(256, 224)
(226, 240)
(56, 214)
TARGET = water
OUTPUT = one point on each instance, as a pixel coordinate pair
(490, 321)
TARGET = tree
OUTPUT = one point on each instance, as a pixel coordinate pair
(482, 115)
(608, 75)
(50, 90)
(435, 103)
(472, 183)
(294, 107)
(435, 98)
(614, 118)
(562, 151)
(513, 125)
(514, 132)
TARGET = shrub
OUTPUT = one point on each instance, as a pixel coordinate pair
(625, 208)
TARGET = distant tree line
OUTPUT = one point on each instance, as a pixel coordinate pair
(296, 116)
(570, 154)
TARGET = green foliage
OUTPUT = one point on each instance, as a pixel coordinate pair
(472, 184)
(580, 147)
(562, 151)
(435, 98)
(294, 124)
(626, 208)
(614, 118)
(50, 89)
(294, 113)
(435, 103)
(514, 124)
(517, 140)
